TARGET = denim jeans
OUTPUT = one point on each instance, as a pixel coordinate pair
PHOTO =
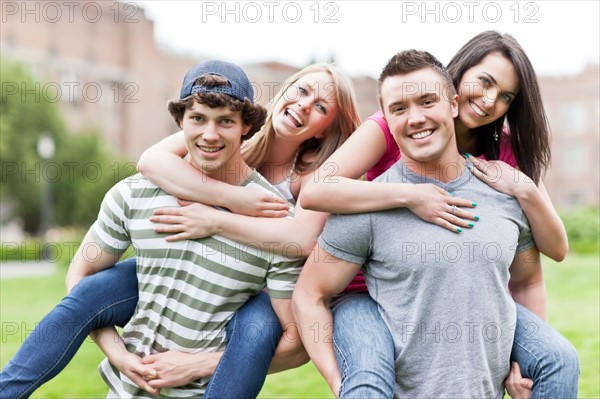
(364, 348)
(109, 298)
(252, 336)
(545, 356)
(363, 345)
(364, 351)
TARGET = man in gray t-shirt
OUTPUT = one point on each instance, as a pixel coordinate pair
(444, 296)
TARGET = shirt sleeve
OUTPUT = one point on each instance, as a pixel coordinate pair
(282, 276)
(525, 240)
(110, 229)
(348, 237)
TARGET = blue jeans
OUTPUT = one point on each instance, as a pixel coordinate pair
(364, 348)
(109, 298)
(365, 352)
(252, 336)
(545, 356)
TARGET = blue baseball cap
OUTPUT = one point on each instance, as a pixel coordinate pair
(240, 84)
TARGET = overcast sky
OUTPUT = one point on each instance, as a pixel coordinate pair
(560, 37)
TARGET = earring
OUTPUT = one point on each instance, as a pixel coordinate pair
(495, 135)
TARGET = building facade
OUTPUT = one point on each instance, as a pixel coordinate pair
(102, 61)
(573, 107)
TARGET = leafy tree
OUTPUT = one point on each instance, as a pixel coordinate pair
(25, 113)
(79, 173)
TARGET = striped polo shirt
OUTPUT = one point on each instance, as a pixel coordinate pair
(188, 290)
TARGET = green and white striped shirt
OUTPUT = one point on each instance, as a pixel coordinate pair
(188, 290)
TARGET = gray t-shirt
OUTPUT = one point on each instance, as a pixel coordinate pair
(444, 296)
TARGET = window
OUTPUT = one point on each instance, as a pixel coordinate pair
(574, 159)
(573, 118)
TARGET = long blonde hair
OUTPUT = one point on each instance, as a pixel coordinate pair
(346, 121)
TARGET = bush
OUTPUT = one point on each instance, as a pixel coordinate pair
(583, 229)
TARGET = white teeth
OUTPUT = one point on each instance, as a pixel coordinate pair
(209, 149)
(421, 135)
(477, 110)
(295, 116)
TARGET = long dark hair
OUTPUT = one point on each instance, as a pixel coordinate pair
(529, 130)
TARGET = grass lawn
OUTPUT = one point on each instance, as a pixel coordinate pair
(574, 309)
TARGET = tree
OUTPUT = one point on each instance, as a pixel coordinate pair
(80, 172)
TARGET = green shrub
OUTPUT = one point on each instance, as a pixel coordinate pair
(583, 229)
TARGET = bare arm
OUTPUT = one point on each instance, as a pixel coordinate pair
(90, 258)
(293, 237)
(527, 288)
(111, 343)
(290, 352)
(548, 229)
(163, 164)
(526, 282)
(322, 277)
(333, 188)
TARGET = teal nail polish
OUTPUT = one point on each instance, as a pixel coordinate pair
(471, 224)
(458, 230)
(476, 217)
(467, 155)
(474, 204)
(450, 193)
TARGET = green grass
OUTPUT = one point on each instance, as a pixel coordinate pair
(574, 309)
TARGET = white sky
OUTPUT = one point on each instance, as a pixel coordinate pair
(560, 37)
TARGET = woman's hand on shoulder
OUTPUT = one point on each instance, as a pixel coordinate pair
(501, 176)
(437, 206)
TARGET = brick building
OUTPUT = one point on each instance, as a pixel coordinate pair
(573, 107)
(111, 75)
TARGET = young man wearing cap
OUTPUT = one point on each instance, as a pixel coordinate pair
(444, 296)
(188, 290)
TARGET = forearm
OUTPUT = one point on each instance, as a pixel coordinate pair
(526, 282)
(316, 324)
(546, 226)
(110, 342)
(177, 177)
(344, 195)
(289, 354)
(286, 236)
(533, 297)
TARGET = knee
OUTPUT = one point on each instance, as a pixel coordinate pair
(264, 335)
(256, 324)
(566, 358)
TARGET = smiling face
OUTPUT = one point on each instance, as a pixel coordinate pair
(213, 137)
(486, 91)
(421, 116)
(306, 109)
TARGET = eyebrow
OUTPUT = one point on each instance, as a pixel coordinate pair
(490, 77)
(198, 113)
(322, 97)
(509, 91)
(422, 97)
